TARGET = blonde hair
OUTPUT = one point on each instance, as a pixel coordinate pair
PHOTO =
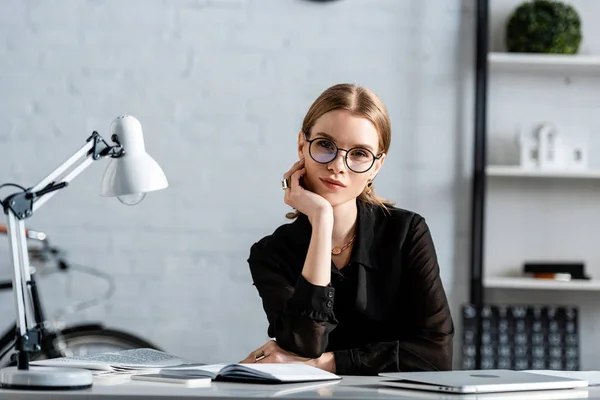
(361, 102)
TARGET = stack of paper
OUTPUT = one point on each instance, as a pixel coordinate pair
(120, 362)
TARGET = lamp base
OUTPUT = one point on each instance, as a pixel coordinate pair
(45, 378)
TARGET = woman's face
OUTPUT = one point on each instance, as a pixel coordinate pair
(335, 180)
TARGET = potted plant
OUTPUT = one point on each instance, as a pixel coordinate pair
(543, 26)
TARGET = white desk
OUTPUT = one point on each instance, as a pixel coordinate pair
(350, 387)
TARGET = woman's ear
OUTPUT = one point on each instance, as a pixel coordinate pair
(377, 166)
(301, 142)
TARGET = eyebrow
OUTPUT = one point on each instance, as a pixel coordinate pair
(328, 136)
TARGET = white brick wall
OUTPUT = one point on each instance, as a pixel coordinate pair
(221, 87)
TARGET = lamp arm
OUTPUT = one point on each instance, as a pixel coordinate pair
(22, 205)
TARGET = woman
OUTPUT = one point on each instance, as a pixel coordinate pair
(352, 286)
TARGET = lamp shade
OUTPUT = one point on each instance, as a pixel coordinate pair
(135, 173)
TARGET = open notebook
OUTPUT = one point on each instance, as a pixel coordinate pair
(260, 373)
(143, 361)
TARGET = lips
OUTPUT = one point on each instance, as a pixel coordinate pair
(333, 182)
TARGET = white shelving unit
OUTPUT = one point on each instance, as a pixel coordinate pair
(540, 64)
(545, 62)
(533, 215)
(500, 282)
(508, 171)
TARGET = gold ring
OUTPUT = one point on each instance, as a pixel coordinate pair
(285, 183)
(259, 356)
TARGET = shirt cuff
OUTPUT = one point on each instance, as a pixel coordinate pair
(344, 362)
(313, 300)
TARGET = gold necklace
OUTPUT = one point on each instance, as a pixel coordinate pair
(338, 250)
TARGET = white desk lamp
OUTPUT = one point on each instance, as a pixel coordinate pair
(130, 174)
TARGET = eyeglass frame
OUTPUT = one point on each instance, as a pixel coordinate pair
(310, 141)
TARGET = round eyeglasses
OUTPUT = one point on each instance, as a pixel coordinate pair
(357, 159)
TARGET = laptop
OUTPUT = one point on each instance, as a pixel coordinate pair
(478, 381)
(554, 394)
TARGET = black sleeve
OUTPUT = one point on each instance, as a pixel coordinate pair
(300, 314)
(428, 345)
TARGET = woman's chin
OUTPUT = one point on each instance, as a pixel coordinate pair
(334, 199)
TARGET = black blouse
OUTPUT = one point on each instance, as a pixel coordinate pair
(386, 310)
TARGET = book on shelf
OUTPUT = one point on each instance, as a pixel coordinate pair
(145, 361)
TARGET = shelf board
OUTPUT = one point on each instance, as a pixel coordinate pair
(516, 171)
(535, 62)
(538, 284)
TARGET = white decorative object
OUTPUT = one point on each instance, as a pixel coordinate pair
(528, 150)
(545, 150)
(576, 157)
(551, 153)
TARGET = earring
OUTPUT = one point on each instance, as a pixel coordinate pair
(369, 187)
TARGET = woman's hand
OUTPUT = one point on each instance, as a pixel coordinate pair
(270, 352)
(308, 203)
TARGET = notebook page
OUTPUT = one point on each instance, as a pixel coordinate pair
(211, 369)
(282, 372)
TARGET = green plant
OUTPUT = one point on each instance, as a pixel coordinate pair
(544, 26)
